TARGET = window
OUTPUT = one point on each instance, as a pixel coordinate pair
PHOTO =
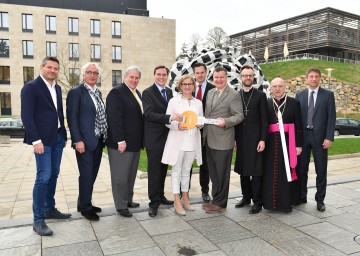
(50, 22)
(27, 23)
(116, 29)
(73, 51)
(116, 53)
(4, 21)
(4, 75)
(95, 27)
(5, 100)
(28, 49)
(4, 48)
(73, 26)
(74, 76)
(28, 73)
(116, 77)
(95, 52)
(51, 49)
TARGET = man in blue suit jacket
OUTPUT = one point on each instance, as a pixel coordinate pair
(319, 125)
(87, 123)
(43, 119)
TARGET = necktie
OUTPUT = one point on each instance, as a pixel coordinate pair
(216, 97)
(310, 110)
(199, 93)
(163, 92)
(138, 100)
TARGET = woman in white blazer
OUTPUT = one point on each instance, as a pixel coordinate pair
(183, 145)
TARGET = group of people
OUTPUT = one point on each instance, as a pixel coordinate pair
(273, 138)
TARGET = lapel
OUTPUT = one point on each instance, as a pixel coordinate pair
(45, 90)
(131, 96)
(87, 97)
(319, 99)
(159, 96)
(222, 96)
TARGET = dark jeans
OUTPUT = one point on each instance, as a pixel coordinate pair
(47, 171)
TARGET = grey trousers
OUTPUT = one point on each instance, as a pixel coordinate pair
(123, 168)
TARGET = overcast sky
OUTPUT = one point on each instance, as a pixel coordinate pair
(198, 16)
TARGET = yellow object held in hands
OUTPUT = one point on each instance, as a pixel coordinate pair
(190, 119)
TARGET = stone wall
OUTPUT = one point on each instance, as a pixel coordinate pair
(347, 96)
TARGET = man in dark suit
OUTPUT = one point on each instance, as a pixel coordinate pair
(250, 137)
(202, 88)
(125, 138)
(43, 119)
(87, 123)
(155, 101)
(224, 104)
(318, 116)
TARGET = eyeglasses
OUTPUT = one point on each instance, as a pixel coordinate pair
(247, 76)
(90, 73)
(187, 85)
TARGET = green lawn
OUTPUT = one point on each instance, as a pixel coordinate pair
(289, 69)
(340, 146)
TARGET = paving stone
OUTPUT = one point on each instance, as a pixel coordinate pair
(165, 225)
(117, 234)
(242, 214)
(189, 242)
(334, 236)
(353, 209)
(344, 191)
(214, 253)
(29, 250)
(161, 213)
(295, 218)
(271, 230)
(220, 229)
(79, 249)
(154, 251)
(307, 246)
(346, 221)
(310, 208)
(198, 213)
(250, 246)
(17, 237)
(69, 232)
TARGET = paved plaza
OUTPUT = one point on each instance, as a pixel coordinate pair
(304, 231)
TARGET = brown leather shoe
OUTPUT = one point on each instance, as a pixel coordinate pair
(205, 205)
(212, 208)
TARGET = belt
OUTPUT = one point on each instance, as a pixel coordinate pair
(308, 129)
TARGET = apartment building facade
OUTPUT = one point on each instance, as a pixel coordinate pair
(115, 34)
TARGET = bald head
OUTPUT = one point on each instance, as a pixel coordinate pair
(277, 87)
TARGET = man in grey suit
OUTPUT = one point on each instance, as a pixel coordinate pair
(318, 116)
(224, 104)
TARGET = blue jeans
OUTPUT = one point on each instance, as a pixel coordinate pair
(47, 171)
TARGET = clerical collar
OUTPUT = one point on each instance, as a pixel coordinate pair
(281, 97)
(247, 90)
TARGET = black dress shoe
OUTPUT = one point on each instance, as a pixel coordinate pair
(153, 212)
(206, 198)
(320, 206)
(42, 229)
(56, 214)
(90, 215)
(303, 200)
(133, 205)
(256, 208)
(242, 203)
(166, 202)
(124, 212)
(95, 209)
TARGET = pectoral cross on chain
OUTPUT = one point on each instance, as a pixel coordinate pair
(246, 112)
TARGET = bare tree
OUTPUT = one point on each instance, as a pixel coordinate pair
(217, 38)
(69, 75)
(184, 52)
(195, 40)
